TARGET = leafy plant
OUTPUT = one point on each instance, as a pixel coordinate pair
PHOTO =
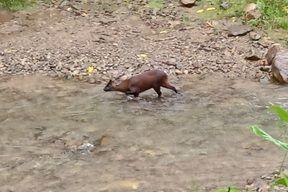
(282, 181)
(282, 113)
(259, 132)
(283, 117)
(14, 5)
(156, 4)
(274, 13)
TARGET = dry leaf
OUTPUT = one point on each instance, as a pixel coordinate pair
(200, 11)
(90, 69)
(162, 32)
(210, 8)
(143, 56)
(124, 184)
(150, 152)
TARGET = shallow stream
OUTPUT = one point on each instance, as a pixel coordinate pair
(70, 136)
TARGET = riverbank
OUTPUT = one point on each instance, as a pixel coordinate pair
(59, 42)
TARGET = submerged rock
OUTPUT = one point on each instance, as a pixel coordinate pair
(279, 63)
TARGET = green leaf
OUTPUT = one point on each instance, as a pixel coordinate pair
(282, 113)
(259, 132)
(282, 181)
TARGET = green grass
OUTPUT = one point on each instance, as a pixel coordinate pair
(274, 13)
(156, 4)
(14, 5)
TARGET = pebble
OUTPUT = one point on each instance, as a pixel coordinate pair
(188, 3)
(178, 72)
(254, 36)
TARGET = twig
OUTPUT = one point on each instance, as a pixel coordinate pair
(282, 163)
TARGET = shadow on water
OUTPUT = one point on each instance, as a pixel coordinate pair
(67, 136)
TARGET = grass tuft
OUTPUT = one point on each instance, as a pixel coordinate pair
(14, 5)
(274, 13)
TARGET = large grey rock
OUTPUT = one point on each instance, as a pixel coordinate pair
(279, 63)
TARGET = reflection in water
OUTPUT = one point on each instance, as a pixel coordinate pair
(197, 138)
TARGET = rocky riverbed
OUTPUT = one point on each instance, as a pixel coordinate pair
(69, 41)
(97, 41)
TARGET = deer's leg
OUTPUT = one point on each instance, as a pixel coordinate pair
(136, 94)
(158, 91)
(133, 91)
(169, 86)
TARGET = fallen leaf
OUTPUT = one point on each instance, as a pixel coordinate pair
(210, 8)
(84, 14)
(209, 23)
(150, 152)
(124, 184)
(90, 69)
(130, 184)
(143, 56)
(200, 11)
(104, 140)
(162, 32)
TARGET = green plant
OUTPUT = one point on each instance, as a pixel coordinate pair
(274, 13)
(235, 10)
(283, 117)
(156, 5)
(14, 5)
(185, 18)
(282, 181)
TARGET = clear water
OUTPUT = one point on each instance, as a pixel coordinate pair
(195, 141)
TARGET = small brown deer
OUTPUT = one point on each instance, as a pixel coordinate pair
(139, 83)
